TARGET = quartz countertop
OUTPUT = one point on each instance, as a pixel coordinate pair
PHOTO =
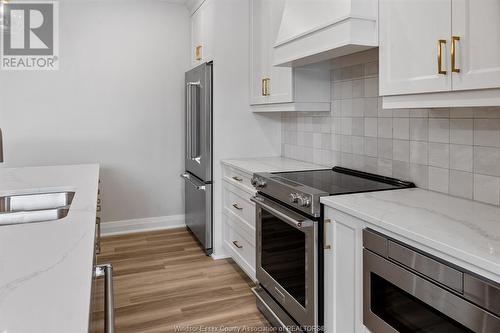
(272, 164)
(463, 231)
(46, 268)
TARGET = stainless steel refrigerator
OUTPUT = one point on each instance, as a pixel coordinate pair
(198, 160)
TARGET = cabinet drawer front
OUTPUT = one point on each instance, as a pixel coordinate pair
(238, 202)
(238, 177)
(243, 251)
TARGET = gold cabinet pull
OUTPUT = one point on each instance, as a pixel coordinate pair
(454, 41)
(197, 52)
(326, 246)
(237, 245)
(265, 86)
(235, 205)
(238, 179)
(441, 42)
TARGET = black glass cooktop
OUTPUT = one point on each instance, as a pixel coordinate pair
(340, 181)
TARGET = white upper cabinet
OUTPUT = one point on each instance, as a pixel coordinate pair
(476, 32)
(202, 33)
(269, 84)
(439, 53)
(410, 31)
(275, 88)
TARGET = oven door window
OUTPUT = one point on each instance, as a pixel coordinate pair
(405, 313)
(283, 255)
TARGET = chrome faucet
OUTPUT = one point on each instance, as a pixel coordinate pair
(1, 147)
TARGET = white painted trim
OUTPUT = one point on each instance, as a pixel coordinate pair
(347, 36)
(193, 5)
(466, 98)
(292, 107)
(140, 225)
(220, 256)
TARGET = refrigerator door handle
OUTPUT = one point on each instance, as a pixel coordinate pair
(193, 127)
(190, 181)
(188, 120)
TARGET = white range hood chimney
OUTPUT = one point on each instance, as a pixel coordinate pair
(316, 30)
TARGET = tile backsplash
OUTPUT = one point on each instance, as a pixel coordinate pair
(454, 151)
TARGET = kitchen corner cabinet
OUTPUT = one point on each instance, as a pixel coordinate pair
(450, 47)
(202, 32)
(343, 273)
(281, 88)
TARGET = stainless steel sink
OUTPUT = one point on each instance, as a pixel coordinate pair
(38, 201)
(33, 216)
(31, 208)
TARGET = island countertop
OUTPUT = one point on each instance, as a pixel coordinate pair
(465, 232)
(46, 268)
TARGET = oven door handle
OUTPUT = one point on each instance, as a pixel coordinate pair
(297, 224)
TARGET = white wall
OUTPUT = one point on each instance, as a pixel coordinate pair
(116, 100)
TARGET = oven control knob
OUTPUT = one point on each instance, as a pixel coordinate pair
(261, 183)
(293, 197)
(258, 183)
(253, 181)
(304, 201)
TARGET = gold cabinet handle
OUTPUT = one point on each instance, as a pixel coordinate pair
(237, 245)
(265, 87)
(326, 246)
(235, 205)
(441, 42)
(238, 179)
(454, 41)
(197, 52)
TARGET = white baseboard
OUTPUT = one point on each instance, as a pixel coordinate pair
(140, 225)
(220, 256)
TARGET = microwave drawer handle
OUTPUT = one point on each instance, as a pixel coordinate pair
(106, 270)
(291, 221)
(426, 266)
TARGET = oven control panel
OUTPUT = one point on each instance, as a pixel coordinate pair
(300, 199)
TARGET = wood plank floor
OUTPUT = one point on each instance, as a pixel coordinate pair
(163, 282)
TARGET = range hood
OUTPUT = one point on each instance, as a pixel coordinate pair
(312, 31)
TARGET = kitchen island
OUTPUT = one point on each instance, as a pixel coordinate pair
(46, 267)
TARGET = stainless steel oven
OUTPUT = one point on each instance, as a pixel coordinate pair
(406, 290)
(287, 257)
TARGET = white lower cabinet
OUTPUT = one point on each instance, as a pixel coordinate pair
(343, 273)
(240, 244)
(239, 219)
